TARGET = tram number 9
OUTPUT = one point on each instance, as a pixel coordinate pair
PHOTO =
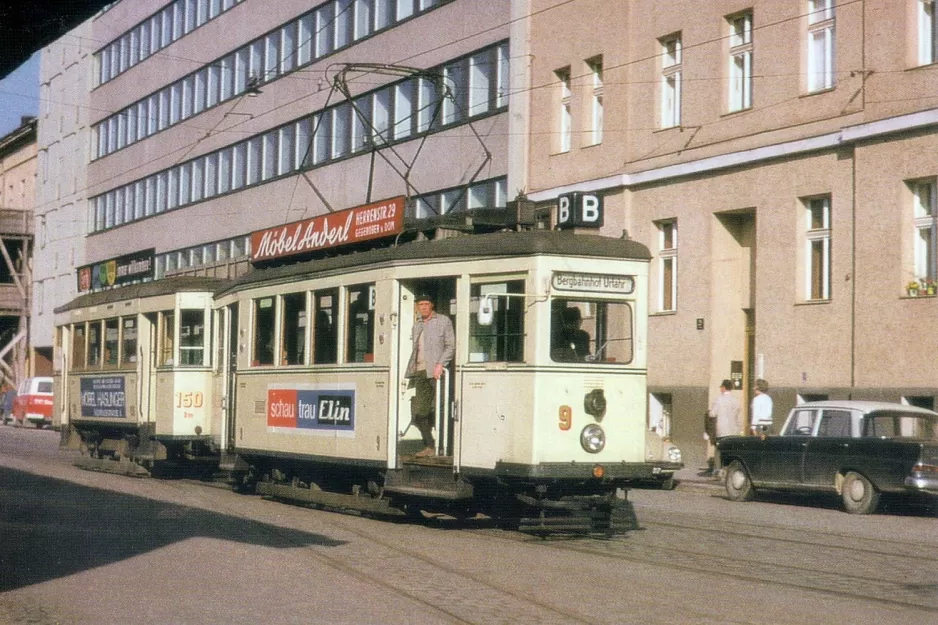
(189, 400)
(566, 418)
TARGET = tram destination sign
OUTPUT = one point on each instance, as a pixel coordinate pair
(354, 225)
(592, 282)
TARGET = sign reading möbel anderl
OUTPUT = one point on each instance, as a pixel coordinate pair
(372, 221)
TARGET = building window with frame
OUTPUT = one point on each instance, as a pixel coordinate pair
(817, 248)
(924, 216)
(820, 45)
(667, 266)
(740, 68)
(671, 66)
(564, 123)
(927, 39)
(595, 66)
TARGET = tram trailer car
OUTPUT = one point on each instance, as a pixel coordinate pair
(532, 428)
(133, 379)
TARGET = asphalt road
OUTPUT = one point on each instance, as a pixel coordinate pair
(87, 548)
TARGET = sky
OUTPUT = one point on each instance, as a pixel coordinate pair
(19, 95)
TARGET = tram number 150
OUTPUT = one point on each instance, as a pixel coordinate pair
(189, 400)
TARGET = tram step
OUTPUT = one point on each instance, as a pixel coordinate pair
(326, 498)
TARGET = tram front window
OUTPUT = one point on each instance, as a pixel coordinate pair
(192, 337)
(591, 331)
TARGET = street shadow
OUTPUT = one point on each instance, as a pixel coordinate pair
(892, 505)
(53, 528)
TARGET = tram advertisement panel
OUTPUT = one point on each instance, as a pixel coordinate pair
(311, 408)
(103, 397)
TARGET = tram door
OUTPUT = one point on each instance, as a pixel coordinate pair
(231, 353)
(443, 294)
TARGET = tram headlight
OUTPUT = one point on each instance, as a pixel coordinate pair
(592, 438)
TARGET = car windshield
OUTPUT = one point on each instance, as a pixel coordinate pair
(900, 425)
(44, 387)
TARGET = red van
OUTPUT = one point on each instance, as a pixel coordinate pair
(33, 402)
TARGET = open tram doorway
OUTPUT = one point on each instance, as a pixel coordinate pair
(442, 294)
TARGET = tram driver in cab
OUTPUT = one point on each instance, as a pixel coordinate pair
(570, 343)
(434, 344)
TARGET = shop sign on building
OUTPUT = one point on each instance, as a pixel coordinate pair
(362, 223)
(117, 271)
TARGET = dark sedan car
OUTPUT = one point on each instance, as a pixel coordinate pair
(857, 449)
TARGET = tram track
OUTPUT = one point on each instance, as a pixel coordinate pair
(775, 567)
(425, 580)
(834, 563)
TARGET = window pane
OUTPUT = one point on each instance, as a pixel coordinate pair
(361, 324)
(594, 332)
(111, 342)
(503, 339)
(129, 341)
(263, 353)
(294, 329)
(325, 337)
(191, 337)
(167, 344)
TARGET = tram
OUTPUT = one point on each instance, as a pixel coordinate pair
(134, 380)
(293, 378)
(528, 430)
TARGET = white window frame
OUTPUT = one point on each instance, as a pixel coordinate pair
(740, 62)
(667, 265)
(927, 32)
(595, 66)
(925, 228)
(671, 70)
(564, 110)
(820, 42)
(817, 238)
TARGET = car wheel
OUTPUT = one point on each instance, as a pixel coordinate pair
(667, 483)
(738, 484)
(858, 494)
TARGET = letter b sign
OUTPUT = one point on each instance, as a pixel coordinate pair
(582, 210)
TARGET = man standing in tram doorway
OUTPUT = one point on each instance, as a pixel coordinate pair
(434, 343)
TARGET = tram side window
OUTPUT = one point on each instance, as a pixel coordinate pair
(325, 330)
(167, 325)
(263, 332)
(361, 324)
(94, 344)
(129, 341)
(192, 337)
(503, 339)
(293, 318)
(78, 346)
(591, 331)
